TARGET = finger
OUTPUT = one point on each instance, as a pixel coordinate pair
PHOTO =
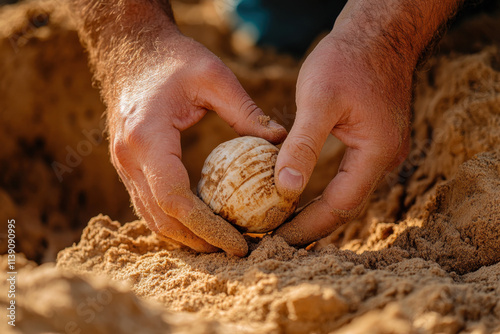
(137, 205)
(155, 218)
(142, 212)
(140, 208)
(342, 200)
(300, 152)
(169, 183)
(166, 225)
(232, 103)
(314, 222)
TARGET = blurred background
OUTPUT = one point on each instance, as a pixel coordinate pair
(55, 172)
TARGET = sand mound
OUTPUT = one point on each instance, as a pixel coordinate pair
(436, 269)
(278, 288)
(462, 231)
(418, 281)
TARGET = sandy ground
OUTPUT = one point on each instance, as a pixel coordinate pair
(424, 257)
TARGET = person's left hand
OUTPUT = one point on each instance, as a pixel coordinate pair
(176, 85)
(362, 97)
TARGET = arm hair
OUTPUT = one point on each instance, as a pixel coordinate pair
(399, 34)
(118, 34)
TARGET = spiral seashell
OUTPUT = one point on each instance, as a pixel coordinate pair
(237, 183)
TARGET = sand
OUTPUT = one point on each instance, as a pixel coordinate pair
(50, 114)
(423, 257)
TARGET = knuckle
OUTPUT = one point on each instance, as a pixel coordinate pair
(135, 135)
(171, 205)
(211, 67)
(120, 153)
(131, 141)
(314, 91)
(248, 111)
(167, 203)
(303, 148)
(248, 107)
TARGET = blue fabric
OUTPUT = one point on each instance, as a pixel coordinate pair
(289, 26)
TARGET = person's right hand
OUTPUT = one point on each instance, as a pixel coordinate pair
(177, 84)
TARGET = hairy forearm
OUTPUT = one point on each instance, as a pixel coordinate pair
(398, 28)
(389, 38)
(117, 34)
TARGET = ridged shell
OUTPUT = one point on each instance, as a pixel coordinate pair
(237, 183)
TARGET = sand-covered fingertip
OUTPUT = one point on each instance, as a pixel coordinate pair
(305, 228)
(273, 132)
(197, 221)
(215, 230)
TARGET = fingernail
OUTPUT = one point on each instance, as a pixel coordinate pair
(291, 179)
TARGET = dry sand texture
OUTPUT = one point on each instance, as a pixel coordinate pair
(424, 257)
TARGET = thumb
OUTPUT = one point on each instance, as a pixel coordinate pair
(342, 200)
(232, 103)
(300, 152)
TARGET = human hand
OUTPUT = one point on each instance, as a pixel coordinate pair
(176, 87)
(362, 96)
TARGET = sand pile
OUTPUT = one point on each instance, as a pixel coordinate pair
(424, 257)
(54, 172)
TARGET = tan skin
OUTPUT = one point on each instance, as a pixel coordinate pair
(356, 85)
